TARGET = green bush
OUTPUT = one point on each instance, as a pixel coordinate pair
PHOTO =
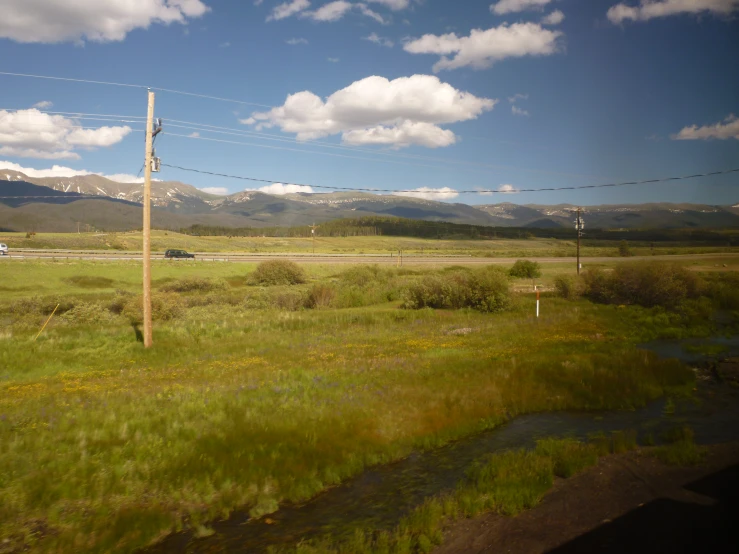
(567, 286)
(485, 290)
(164, 306)
(525, 269)
(363, 275)
(290, 301)
(623, 249)
(645, 283)
(194, 284)
(88, 313)
(278, 272)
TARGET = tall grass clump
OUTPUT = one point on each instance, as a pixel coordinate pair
(278, 272)
(681, 450)
(645, 283)
(485, 290)
(164, 306)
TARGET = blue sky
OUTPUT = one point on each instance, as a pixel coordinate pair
(395, 94)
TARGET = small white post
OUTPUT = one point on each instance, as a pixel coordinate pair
(537, 302)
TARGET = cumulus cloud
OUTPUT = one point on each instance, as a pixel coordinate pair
(375, 110)
(507, 189)
(43, 105)
(650, 9)
(220, 191)
(515, 110)
(288, 9)
(34, 134)
(54, 21)
(514, 6)
(403, 134)
(296, 41)
(336, 10)
(483, 48)
(61, 171)
(279, 189)
(726, 129)
(554, 18)
(382, 41)
(428, 193)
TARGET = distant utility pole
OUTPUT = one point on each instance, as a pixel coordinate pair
(579, 227)
(147, 221)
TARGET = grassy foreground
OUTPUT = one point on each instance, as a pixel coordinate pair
(249, 400)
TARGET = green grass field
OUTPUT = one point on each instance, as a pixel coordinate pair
(503, 248)
(247, 399)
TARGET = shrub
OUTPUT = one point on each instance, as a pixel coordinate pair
(645, 283)
(567, 286)
(278, 272)
(119, 301)
(164, 306)
(485, 290)
(525, 269)
(88, 313)
(320, 296)
(290, 301)
(363, 275)
(194, 284)
(623, 249)
(90, 282)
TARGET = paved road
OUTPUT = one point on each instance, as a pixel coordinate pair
(337, 258)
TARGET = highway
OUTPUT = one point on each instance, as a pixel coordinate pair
(408, 259)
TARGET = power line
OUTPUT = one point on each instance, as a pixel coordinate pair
(479, 191)
(110, 83)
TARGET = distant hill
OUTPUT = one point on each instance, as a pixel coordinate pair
(105, 204)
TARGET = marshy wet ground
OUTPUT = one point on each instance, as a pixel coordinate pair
(381, 496)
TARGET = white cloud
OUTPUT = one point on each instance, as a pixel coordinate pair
(483, 48)
(220, 191)
(382, 41)
(507, 189)
(726, 129)
(380, 110)
(94, 20)
(43, 105)
(258, 2)
(296, 41)
(336, 10)
(515, 110)
(403, 134)
(224, 45)
(194, 134)
(554, 18)
(514, 6)
(34, 134)
(428, 193)
(395, 5)
(333, 60)
(279, 189)
(61, 171)
(517, 96)
(288, 9)
(650, 9)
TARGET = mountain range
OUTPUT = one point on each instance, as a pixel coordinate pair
(58, 204)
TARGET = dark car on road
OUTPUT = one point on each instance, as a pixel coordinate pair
(178, 254)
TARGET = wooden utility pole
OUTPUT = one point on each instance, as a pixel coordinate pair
(147, 222)
(579, 231)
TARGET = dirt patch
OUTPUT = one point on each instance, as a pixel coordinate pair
(626, 503)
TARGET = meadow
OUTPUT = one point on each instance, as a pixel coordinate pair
(258, 392)
(496, 248)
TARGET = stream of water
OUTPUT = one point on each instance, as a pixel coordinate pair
(381, 496)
